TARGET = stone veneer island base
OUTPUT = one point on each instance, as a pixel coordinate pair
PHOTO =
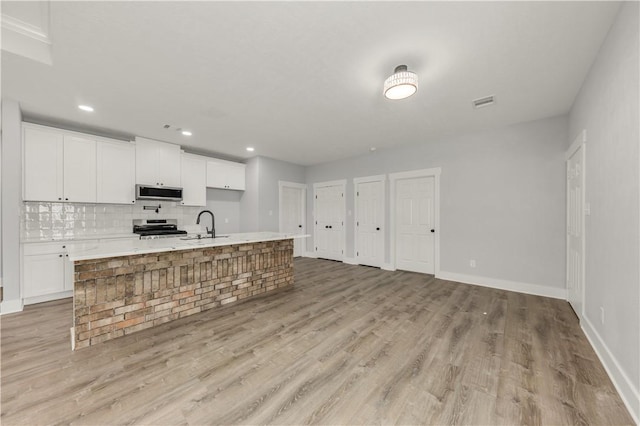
(117, 296)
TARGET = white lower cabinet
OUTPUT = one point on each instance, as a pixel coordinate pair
(47, 272)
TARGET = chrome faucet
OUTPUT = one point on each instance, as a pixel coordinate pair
(213, 223)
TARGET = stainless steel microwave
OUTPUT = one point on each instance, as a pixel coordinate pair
(166, 193)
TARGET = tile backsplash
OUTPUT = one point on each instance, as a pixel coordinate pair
(43, 221)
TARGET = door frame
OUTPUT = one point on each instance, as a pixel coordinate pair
(343, 183)
(303, 201)
(366, 179)
(393, 179)
(579, 142)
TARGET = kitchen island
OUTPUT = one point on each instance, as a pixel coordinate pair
(121, 287)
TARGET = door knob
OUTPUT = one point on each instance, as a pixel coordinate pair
(377, 229)
(433, 230)
(299, 226)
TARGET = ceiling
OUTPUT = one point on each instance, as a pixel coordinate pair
(302, 81)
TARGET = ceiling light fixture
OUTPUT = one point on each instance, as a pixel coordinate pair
(186, 133)
(86, 108)
(250, 149)
(401, 84)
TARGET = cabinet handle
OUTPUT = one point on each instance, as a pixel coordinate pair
(59, 255)
(133, 201)
(66, 255)
(64, 246)
(66, 199)
(59, 198)
(377, 229)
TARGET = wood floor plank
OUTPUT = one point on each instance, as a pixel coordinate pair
(344, 345)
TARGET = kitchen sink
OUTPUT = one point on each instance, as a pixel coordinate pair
(205, 237)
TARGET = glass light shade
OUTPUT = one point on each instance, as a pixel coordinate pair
(401, 84)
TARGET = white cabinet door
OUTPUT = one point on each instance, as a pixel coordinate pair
(43, 170)
(235, 177)
(79, 169)
(169, 164)
(216, 176)
(194, 181)
(225, 175)
(43, 274)
(146, 162)
(116, 172)
(157, 163)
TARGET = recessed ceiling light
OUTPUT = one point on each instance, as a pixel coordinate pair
(372, 149)
(250, 149)
(186, 133)
(86, 108)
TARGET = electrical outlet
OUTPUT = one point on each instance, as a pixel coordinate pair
(601, 314)
(472, 263)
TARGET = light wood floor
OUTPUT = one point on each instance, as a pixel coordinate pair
(345, 345)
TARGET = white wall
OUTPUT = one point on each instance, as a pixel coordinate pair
(11, 199)
(607, 106)
(502, 199)
(249, 198)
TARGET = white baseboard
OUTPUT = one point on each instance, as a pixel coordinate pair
(11, 306)
(630, 395)
(48, 297)
(535, 289)
(350, 260)
(310, 254)
(387, 267)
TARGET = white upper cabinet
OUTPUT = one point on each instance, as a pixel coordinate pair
(79, 169)
(58, 166)
(116, 175)
(157, 163)
(225, 175)
(42, 173)
(194, 180)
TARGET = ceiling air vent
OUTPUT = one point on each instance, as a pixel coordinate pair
(483, 102)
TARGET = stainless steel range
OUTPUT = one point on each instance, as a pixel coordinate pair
(156, 228)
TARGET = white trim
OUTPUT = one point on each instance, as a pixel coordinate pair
(48, 297)
(330, 183)
(366, 179)
(350, 260)
(578, 143)
(303, 201)
(11, 306)
(343, 183)
(629, 394)
(519, 287)
(393, 177)
(387, 267)
(310, 254)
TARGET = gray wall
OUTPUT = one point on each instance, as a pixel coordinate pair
(225, 205)
(607, 107)
(249, 198)
(502, 198)
(11, 199)
(259, 209)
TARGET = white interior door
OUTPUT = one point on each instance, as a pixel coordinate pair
(292, 214)
(329, 222)
(369, 222)
(575, 229)
(415, 224)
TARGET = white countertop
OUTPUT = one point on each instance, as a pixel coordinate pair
(75, 238)
(126, 247)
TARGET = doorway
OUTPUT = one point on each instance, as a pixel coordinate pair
(415, 220)
(575, 159)
(369, 206)
(329, 211)
(293, 213)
